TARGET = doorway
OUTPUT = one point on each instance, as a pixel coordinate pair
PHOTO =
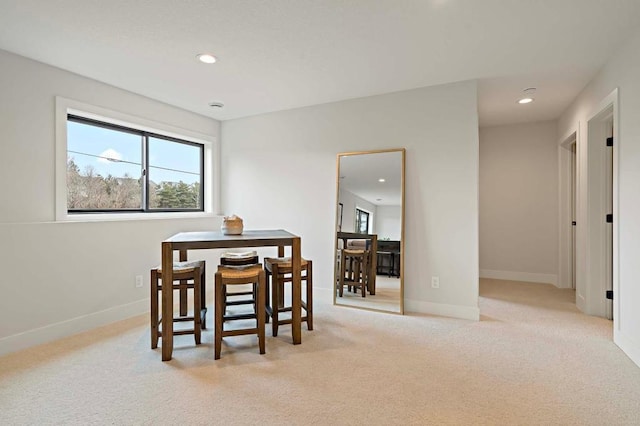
(588, 219)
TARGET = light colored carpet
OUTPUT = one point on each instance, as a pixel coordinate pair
(533, 359)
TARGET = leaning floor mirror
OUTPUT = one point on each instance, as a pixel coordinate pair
(369, 243)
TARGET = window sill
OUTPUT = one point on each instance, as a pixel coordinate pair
(114, 217)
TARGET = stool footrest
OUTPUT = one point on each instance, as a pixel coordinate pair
(183, 319)
(289, 320)
(239, 317)
(303, 305)
(239, 302)
(240, 293)
(178, 332)
(242, 332)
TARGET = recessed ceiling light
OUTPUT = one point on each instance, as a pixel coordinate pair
(378, 199)
(216, 104)
(381, 180)
(207, 58)
(528, 96)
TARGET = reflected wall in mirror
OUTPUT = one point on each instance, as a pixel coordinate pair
(369, 250)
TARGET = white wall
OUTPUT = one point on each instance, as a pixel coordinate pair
(61, 278)
(349, 202)
(389, 222)
(519, 202)
(621, 72)
(279, 172)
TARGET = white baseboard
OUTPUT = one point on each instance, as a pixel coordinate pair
(629, 345)
(442, 309)
(72, 326)
(325, 293)
(520, 276)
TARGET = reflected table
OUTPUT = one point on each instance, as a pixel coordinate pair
(185, 241)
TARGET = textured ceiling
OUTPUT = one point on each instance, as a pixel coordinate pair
(276, 54)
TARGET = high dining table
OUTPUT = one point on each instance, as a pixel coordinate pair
(185, 241)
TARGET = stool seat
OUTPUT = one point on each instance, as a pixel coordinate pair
(183, 267)
(353, 252)
(284, 263)
(240, 272)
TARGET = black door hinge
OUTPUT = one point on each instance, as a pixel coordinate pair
(610, 141)
(609, 218)
(610, 294)
(573, 223)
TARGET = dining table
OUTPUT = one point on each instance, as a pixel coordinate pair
(200, 240)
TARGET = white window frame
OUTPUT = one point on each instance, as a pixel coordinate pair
(211, 161)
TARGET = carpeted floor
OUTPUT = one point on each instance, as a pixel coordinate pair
(533, 359)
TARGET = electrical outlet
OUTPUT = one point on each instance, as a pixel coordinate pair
(435, 282)
(138, 281)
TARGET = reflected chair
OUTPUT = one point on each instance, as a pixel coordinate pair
(186, 276)
(226, 277)
(353, 270)
(279, 269)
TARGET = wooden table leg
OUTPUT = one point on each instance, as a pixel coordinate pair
(167, 300)
(373, 268)
(296, 292)
(183, 291)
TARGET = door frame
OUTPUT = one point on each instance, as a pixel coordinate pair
(565, 273)
(590, 209)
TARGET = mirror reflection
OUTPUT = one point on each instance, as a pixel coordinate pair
(370, 230)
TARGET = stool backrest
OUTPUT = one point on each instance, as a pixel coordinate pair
(239, 261)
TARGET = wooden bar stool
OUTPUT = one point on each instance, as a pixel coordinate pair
(186, 275)
(229, 276)
(280, 269)
(353, 270)
(241, 296)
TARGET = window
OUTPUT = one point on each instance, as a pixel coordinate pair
(362, 221)
(112, 168)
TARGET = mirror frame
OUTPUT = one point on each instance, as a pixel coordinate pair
(402, 226)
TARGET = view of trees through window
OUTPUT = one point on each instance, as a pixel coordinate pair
(107, 171)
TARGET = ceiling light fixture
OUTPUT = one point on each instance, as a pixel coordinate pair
(528, 96)
(207, 58)
(216, 104)
(381, 180)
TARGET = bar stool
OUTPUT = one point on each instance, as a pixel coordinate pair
(280, 269)
(239, 297)
(229, 276)
(353, 270)
(186, 275)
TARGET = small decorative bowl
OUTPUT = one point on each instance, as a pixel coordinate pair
(232, 226)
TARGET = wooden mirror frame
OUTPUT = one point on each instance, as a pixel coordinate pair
(338, 223)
